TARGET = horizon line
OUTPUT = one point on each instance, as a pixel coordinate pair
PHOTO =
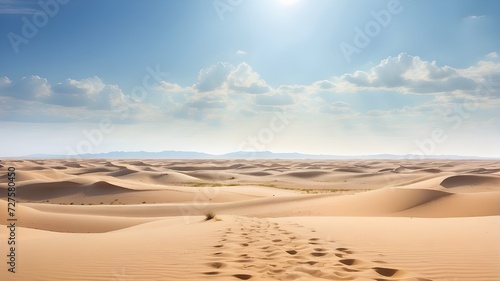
(228, 154)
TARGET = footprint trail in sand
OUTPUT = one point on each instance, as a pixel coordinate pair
(258, 249)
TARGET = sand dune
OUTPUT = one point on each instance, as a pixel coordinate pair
(473, 181)
(275, 220)
(306, 174)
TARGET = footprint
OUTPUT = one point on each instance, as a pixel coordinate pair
(243, 276)
(243, 261)
(319, 249)
(276, 240)
(348, 261)
(216, 264)
(292, 252)
(218, 246)
(344, 250)
(211, 273)
(384, 271)
(318, 254)
(244, 244)
(310, 262)
(313, 241)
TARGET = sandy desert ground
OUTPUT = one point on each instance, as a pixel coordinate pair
(274, 220)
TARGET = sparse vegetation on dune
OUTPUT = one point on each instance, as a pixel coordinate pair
(211, 216)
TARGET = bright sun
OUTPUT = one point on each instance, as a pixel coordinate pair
(289, 2)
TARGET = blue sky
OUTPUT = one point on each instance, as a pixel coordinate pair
(315, 76)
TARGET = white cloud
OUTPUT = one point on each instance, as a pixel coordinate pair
(487, 76)
(274, 100)
(336, 108)
(294, 89)
(245, 79)
(411, 74)
(92, 85)
(224, 76)
(168, 87)
(241, 53)
(91, 93)
(167, 94)
(4, 81)
(213, 77)
(28, 88)
(475, 17)
(492, 55)
(10, 7)
(324, 85)
(405, 110)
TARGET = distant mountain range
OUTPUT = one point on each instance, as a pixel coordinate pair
(171, 154)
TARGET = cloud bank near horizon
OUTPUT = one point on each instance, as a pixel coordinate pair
(224, 91)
